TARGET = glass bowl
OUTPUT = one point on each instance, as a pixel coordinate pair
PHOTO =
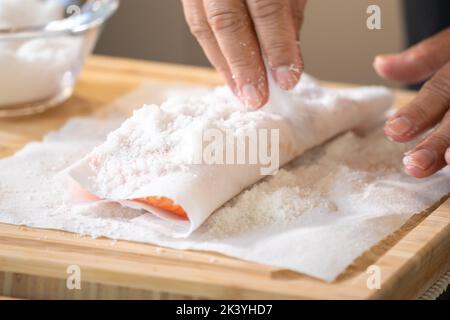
(39, 64)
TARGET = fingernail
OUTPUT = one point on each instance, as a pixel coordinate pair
(251, 96)
(421, 159)
(285, 77)
(379, 63)
(447, 156)
(379, 59)
(398, 126)
(383, 58)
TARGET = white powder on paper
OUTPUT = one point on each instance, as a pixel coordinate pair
(277, 200)
(315, 216)
(349, 168)
(34, 69)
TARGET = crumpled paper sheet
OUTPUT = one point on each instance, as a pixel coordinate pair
(360, 196)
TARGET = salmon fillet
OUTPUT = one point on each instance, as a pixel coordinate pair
(164, 204)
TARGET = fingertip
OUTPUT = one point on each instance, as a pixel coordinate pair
(447, 156)
(253, 96)
(397, 138)
(421, 163)
(414, 172)
(402, 67)
(378, 61)
(383, 65)
(286, 77)
(399, 128)
(412, 169)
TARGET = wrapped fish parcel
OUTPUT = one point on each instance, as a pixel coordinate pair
(184, 159)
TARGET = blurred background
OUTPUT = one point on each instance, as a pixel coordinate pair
(336, 43)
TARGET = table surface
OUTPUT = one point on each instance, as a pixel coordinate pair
(410, 260)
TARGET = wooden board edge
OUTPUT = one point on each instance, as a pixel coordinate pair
(431, 260)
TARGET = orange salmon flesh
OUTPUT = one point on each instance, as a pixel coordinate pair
(164, 204)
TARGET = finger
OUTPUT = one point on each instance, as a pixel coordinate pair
(429, 156)
(233, 29)
(298, 9)
(418, 62)
(424, 111)
(199, 27)
(274, 25)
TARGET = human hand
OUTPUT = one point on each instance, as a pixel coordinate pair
(429, 108)
(235, 36)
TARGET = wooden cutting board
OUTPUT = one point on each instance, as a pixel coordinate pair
(34, 262)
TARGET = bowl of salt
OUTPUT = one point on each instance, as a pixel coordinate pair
(43, 46)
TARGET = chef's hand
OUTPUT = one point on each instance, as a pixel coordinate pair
(429, 108)
(236, 34)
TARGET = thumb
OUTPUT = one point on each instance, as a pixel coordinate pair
(416, 63)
